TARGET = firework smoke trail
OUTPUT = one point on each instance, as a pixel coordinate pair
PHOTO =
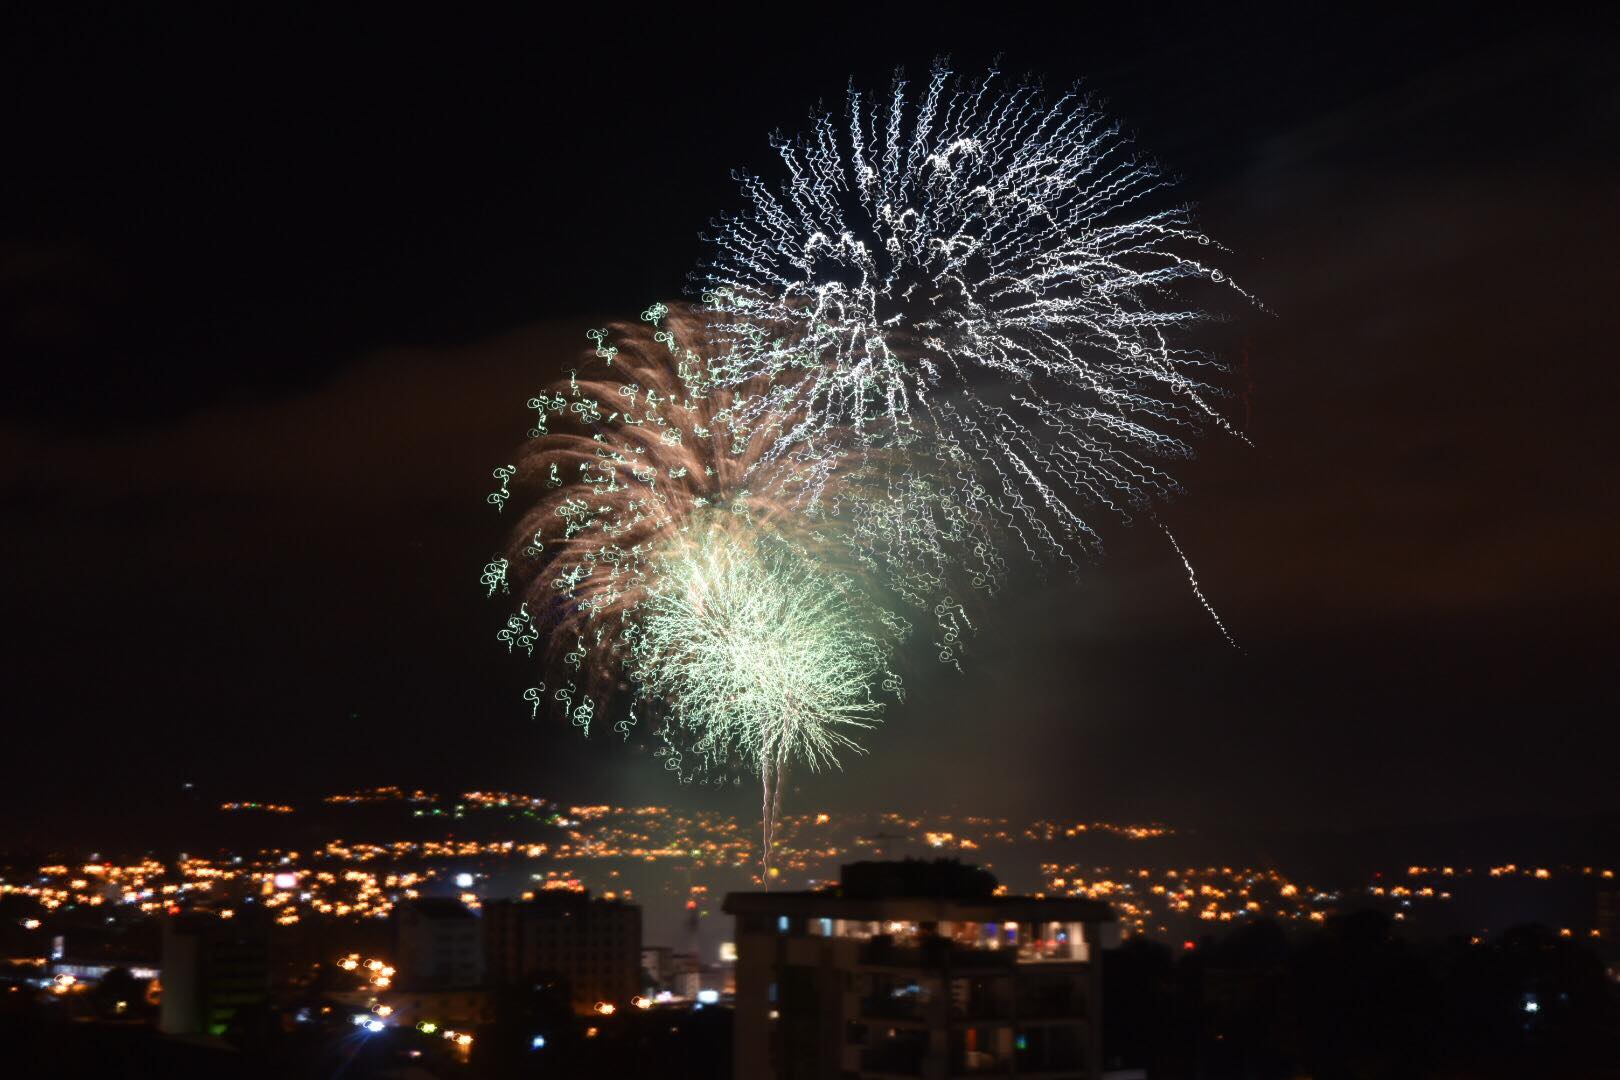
(644, 560)
(968, 299)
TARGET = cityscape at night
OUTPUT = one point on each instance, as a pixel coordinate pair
(899, 542)
(477, 845)
(330, 889)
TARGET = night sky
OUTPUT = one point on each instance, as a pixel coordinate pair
(273, 295)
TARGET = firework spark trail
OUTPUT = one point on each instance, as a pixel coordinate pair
(1192, 580)
(968, 302)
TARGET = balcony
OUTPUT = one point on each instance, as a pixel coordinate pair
(901, 1054)
(883, 1007)
(981, 1051)
(933, 953)
(981, 997)
(1054, 1051)
(1051, 998)
(897, 997)
(981, 1064)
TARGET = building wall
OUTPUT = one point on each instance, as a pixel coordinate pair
(180, 1012)
(216, 975)
(657, 963)
(757, 957)
(437, 951)
(594, 945)
(813, 1007)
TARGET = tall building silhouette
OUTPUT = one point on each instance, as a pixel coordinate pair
(216, 974)
(917, 969)
(594, 945)
(439, 944)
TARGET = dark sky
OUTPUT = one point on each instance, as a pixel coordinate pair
(273, 293)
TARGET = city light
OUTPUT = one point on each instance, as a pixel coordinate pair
(348, 881)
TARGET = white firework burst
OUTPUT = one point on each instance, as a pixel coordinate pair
(968, 301)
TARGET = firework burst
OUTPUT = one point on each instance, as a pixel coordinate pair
(645, 562)
(967, 299)
(956, 327)
(765, 656)
(623, 453)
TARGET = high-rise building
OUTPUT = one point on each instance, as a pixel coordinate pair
(1608, 929)
(917, 969)
(216, 974)
(593, 945)
(658, 966)
(439, 945)
(686, 977)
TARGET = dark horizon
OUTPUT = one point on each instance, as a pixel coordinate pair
(275, 294)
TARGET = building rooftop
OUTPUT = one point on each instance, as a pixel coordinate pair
(563, 900)
(915, 889)
(438, 907)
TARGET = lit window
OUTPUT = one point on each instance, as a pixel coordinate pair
(782, 924)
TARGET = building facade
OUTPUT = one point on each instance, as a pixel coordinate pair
(916, 971)
(215, 974)
(439, 944)
(593, 945)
